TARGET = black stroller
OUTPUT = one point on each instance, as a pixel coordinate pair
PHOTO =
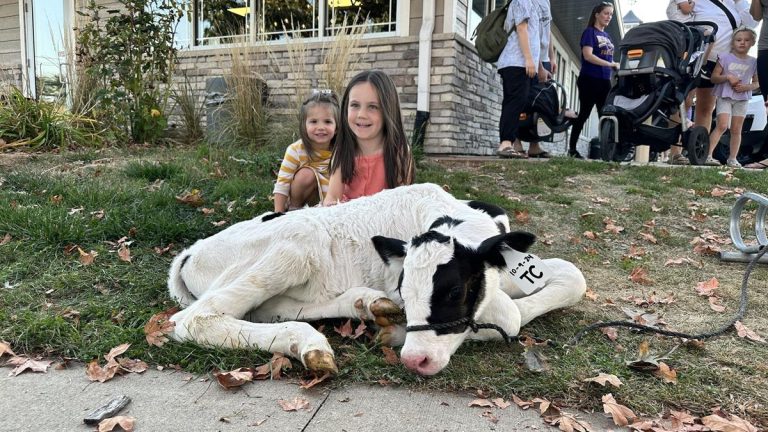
(544, 116)
(659, 65)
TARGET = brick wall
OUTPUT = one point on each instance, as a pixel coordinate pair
(465, 99)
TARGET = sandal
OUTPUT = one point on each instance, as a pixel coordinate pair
(539, 155)
(510, 153)
(678, 159)
(756, 165)
(570, 114)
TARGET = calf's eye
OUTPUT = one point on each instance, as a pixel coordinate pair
(455, 294)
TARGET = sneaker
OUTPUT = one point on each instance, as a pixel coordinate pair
(712, 162)
(733, 163)
(575, 154)
(678, 159)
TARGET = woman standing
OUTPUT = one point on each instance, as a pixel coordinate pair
(517, 64)
(597, 63)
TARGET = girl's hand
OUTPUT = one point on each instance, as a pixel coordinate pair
(733, 80)
(615, 65)
(741, 88)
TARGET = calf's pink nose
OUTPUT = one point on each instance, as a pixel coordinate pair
(416, 362)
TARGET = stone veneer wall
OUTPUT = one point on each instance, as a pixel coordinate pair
(465, 99)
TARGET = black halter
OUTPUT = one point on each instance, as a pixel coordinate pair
(469, 321)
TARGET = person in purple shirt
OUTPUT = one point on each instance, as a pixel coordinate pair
(597, 63)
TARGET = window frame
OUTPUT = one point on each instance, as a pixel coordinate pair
(320, 32)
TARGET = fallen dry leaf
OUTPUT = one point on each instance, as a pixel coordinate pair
(501, 403)
(604, 379)
(234, 378)
(667, 374)
(489, 415)
(28, 364)
(5, 348)
(590, 235)
(390, 356)
(6, 239)
(610, 332)
(273, 369)
(744, 332)
(133, 365)
(649, 237)
(714, 305)
(95, 372)
(569, 423)
(522, 216)
(124, 254)
(116, 351)
(523, 404)
(707, 288)
(640, 275)
(590, 294)
(158, 326)
(680, 261)
(295, 404)
(345, 330)
(622, 416)
(314, 381)
(124, 422)
(192, 198)
(482, 403)
(734, 424)
(86, 258)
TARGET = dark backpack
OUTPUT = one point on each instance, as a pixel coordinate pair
(490, 36)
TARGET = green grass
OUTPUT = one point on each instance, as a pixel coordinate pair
(94, 198)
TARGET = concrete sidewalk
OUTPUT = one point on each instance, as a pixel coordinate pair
(177, 401)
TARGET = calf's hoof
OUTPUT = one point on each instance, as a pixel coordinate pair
(386, 312)
(320, 361)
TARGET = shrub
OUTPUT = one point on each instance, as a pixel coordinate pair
(132, 55)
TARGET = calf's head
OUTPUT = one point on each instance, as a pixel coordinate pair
(443, 285)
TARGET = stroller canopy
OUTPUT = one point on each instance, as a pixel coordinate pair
(669, 35)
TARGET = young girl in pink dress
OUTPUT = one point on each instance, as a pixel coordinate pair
(371, 151)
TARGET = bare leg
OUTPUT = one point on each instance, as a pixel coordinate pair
(303, 188)
(736, 125)
(720, 128)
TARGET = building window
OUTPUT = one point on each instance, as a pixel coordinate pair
(226, 21)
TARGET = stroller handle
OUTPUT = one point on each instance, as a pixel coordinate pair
(703, 23)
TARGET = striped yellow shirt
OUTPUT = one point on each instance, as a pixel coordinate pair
(296, 157)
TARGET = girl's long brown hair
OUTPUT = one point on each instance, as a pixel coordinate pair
(398, 161)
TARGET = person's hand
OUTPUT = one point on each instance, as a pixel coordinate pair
(530, 68)
(741, 88)
(553, 66)
(615, 65)
(544, 75)
(733, 80)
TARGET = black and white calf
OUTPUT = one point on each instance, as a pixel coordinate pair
(436, 256)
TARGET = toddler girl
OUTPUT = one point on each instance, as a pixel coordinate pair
(303, 177)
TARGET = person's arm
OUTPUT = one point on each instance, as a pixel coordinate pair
(756, 10)
(525, 47)
(281, 202)
(335, 189)
(744, 9)
(718, 77)
(552, 62)
(686, 7)
(288, 168)
(586, 52)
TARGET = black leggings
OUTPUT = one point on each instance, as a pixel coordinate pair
(762, 72)
(592, 91)
(515, 84)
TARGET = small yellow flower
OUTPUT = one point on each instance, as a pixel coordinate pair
(154, 112)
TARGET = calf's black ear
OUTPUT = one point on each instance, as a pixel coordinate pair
(389, 248)
(519, 240)
(490, 249)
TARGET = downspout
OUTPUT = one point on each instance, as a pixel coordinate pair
(424, 77)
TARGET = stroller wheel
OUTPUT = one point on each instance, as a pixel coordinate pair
(607, 141)
(697, 145)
